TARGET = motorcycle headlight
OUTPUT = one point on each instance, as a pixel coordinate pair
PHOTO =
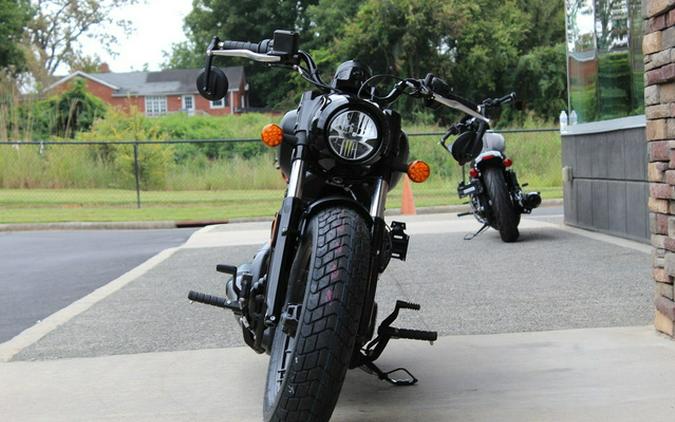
(353, 135)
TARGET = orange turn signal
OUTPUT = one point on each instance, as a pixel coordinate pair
(418, 171)
(272, 135)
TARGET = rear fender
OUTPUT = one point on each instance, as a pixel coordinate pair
(489, 158)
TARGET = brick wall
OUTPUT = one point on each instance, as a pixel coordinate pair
(659, 55)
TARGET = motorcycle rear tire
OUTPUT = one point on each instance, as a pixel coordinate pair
(506, 216)
(328, 277)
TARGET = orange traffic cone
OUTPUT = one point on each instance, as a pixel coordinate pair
(407, 202)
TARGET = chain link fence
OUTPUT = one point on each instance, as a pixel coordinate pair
(203, 179)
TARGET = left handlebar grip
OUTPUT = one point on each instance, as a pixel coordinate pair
(262, 47)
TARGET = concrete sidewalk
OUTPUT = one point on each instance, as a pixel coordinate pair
(618, 374)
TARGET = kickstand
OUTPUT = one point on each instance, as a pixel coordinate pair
(385, 332)
(471, 236)
(371, 368)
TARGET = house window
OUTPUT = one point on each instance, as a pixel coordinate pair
(188, 102)
(155, 106)
(218, 103)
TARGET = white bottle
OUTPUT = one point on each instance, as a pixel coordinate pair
(563, 121)
(573, 118)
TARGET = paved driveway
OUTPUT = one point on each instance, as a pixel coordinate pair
(552, 279)
(42, 272)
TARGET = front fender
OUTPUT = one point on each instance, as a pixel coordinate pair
(333, 201)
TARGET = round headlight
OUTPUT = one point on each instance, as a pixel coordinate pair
(352, 135)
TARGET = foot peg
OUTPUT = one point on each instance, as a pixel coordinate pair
(217, 301)
(395, 333)
(386, 332)
(408, 305)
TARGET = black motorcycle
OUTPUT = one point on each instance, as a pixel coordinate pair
(307, 298)
(496, 198)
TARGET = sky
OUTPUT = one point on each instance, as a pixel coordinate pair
(157, 23)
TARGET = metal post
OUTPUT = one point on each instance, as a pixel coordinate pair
(138, 176)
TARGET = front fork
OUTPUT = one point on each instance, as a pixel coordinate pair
(377, 207)
(286, 238)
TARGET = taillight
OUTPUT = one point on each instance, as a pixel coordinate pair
(473, 172)
(508, 162)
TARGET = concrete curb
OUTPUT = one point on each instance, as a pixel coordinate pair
(147, 225)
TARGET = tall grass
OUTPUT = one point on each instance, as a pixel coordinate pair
(228, 174)
(30, 166)
(536, 156)
(69, 166)
(216, 166)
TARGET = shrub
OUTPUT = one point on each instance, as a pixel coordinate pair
(154, 161)
(63, 115)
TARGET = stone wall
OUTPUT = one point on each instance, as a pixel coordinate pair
(659, 55)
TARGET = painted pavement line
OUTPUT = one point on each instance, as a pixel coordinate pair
(34, 333)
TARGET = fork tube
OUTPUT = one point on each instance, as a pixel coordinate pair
(379, 198)
(377, 205)
(289, 221)
(295, 179)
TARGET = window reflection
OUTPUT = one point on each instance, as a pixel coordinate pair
(605, 66)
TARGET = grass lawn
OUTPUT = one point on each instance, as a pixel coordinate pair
(61, 205)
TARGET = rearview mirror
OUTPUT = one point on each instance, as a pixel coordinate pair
(216, 87)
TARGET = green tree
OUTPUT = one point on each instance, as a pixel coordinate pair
(481, 47)
(540, 81)
(14, 14)
(545, 23)
(242, 21)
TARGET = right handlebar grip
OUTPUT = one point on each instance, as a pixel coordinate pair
(261, 47)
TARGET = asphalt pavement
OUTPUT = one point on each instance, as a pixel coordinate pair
(42, 272)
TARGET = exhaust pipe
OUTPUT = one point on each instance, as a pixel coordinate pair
(531, 200)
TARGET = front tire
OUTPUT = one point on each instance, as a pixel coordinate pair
(504, 213)
(328, 277)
